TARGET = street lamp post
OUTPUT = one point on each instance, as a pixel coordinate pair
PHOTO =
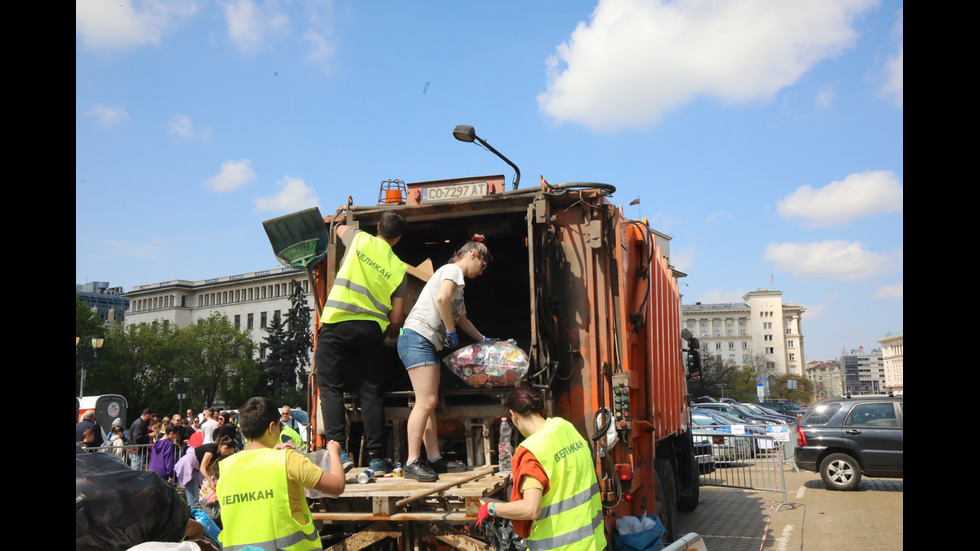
(180, 385)
(96, 345)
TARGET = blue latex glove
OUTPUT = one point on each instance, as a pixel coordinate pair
(486, 338)
(451, 340)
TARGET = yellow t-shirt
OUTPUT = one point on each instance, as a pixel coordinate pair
(301, 473)
(528, 481)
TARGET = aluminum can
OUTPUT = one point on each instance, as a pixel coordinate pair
(365, 476)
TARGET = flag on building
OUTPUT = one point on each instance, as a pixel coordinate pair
(635, 201)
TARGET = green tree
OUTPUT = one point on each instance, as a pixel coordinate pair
(137, 361)
(278, 371)
(220, 361)
(88, 324)
(803, 394)
(288, 344)
(716, 374)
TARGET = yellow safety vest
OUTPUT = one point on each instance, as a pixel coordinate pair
(294, 436)
(253, 492)
(571, 511)
(363, 286)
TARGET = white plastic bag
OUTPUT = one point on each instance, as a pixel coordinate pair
(321, 459)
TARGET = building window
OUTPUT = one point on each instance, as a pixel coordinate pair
(251, 321)
(717, 346)
(731, 346)
(745, 345)
(263, 320)
(238, 322)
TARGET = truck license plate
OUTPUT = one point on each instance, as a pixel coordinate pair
(453, 192)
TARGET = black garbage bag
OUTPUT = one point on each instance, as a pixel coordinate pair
(117, 507)
(502, 537)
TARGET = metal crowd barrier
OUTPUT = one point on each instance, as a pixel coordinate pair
(136, 456)
(749, 460)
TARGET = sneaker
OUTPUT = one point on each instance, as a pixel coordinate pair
(421, 471)
(379, 466)
(443, 465)
(345, 461)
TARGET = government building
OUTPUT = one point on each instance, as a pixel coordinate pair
(249, 301)
(761, 329)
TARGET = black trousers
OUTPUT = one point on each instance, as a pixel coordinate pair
(351, 347)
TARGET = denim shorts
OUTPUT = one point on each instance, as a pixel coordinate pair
(415, 350)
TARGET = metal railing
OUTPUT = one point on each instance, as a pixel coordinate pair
(749, 460)
(136, 456)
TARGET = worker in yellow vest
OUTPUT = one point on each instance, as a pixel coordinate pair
(367, 296)
(555, 501)
(261, 488)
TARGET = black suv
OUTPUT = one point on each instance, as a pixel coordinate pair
(785, 407)
(845, 438)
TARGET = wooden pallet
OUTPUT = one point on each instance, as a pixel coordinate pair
(406, 509)
(454, 497)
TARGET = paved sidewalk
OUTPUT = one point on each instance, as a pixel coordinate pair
(813, 519)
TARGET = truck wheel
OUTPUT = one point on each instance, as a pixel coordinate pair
(666, 497)
(840, 471)
(688, 500)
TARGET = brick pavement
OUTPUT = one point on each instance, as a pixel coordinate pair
(813, 519)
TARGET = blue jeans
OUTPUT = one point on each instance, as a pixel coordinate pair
(192, 490)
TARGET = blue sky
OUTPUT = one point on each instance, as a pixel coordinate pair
(765, 136)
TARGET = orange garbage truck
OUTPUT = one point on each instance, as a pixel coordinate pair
(588, 294)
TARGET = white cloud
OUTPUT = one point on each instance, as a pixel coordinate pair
(108, 115)
(250, 25)
(815, 312)
(825, 98)
(110, 25)
(293, 195)
(859, 194)
(321, 51)
(636, 60)
(890, 291)
(894, 87)
(182, 127)
(836, 260)
(233, 175)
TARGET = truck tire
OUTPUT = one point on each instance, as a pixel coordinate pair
(666, 497)
(688, 500)
(688, 473)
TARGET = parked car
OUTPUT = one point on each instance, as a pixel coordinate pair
(847, 438)
(727, 436)
(763, 411)
(737, 410)
(704, 454)
(785, 407)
